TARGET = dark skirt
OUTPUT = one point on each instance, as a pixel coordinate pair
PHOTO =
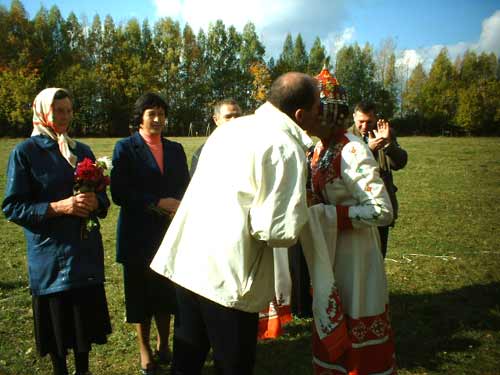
(73, 319)
(147, 293)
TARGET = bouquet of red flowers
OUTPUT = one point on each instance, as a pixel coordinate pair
(90, 177)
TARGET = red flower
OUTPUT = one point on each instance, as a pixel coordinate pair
(89, 177)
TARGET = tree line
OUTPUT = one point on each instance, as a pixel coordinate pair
(107, 66)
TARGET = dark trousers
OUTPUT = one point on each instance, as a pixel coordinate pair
(384, 236)
(301, 299)
(201, 324)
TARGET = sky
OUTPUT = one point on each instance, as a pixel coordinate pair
(419, 29)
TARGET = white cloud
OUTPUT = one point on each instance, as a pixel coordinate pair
(200, 13)
(168, 8)
(335, 41)
(409, 58)
(489, 41)
(272, 19)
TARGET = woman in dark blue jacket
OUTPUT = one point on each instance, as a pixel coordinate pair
(66, 269)
(148, 179)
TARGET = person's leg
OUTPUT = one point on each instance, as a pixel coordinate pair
(384, 236)
(163, 326)
(138, 311)
(143, 339)
(301, 298)
(191, 343)
(59, 365)
(81, 362)
(233, 337)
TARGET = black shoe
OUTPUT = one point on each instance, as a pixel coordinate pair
(162, 358)
(148, 371)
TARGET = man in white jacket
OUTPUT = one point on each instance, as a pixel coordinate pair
(247, 196)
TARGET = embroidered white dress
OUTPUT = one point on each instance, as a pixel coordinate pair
(352, 328)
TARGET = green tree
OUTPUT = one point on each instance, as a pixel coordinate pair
(224, 71)
(387, 96)
(251, 54)
(285, 60)
(355, 68)
(478, 109)
(192, 73)
(76, 40)
(17, 47)
(18, 88)
(93, 42)
(299, 57)
(317, 57)
(440, 93)
(412, 98)
(251, 49)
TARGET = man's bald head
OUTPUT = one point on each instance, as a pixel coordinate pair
(292, 91)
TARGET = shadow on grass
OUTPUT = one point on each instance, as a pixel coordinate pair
(427, 325)
(10, 285)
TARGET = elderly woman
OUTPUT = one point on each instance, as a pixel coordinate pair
(352, 329)
(66, 269)
(148, 179)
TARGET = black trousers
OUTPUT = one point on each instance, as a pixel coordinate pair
(301, 299)
(201, 324)
(384, 236)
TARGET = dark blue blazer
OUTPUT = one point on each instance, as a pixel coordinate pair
(58, 257)
(137, 185)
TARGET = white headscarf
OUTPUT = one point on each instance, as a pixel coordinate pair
(43, 123)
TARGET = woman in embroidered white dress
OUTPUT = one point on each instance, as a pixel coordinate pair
(357, 337)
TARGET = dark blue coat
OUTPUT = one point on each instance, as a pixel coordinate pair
(58, 258)
(137, 185)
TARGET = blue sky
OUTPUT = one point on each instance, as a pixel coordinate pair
(418, 28)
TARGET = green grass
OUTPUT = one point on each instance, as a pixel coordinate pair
(443, 268)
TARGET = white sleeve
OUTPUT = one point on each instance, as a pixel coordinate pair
(360, 172)
(279, 209)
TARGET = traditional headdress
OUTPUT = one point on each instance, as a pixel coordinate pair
(43, 123)
(333, 98)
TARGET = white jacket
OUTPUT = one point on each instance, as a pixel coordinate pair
(247, 196)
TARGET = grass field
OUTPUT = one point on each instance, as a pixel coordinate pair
(443, 268)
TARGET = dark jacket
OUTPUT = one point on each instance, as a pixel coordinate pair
(58, 258)
(390, 158)
(195, 158)
(136, 186)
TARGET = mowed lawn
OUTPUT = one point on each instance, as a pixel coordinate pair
(443, 270)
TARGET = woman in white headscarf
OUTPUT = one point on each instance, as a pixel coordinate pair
(352, 331)
(66, 269)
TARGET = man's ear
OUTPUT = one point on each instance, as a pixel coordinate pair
(215, 120)
(299, 116)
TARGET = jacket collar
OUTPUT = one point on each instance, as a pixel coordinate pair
(44, 141)
(144, 152)
(286, 124)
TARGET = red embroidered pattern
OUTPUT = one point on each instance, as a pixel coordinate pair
(369, 328)
(325, 162)
(334, 311)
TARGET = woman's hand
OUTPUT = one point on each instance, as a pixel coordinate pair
(169, 205)
(80, 205)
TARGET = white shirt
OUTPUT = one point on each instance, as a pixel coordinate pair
(247, 196)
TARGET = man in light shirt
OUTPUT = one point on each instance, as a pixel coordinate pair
(247, 196)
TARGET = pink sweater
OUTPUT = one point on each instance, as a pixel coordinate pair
(156, 147)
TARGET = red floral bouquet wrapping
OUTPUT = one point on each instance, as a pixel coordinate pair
(90, 177)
